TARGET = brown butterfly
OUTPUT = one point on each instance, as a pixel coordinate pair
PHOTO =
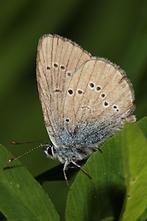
(84, 99)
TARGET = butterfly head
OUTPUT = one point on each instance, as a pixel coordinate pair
(67, 154)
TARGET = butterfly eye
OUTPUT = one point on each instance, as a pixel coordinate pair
(48, 68)
(49, 151)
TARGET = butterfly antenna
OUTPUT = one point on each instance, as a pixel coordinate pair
(84, 171)
(26, 153)
(14, 142)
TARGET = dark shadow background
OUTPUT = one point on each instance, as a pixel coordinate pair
(114, 29)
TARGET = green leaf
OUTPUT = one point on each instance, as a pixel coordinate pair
(136, 200)
(143, 125)
(108, 219)
(143, 217)
(102, 196)
(21, 197)
(119, 180)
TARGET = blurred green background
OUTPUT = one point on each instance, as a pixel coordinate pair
(114, 29)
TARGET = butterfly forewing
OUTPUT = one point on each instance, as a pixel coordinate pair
(57, 60)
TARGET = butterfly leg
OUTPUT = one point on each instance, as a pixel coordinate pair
(101, 151)
(85, 172)
(64, 171)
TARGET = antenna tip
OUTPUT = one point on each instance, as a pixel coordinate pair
(10, 160)
(12, 142)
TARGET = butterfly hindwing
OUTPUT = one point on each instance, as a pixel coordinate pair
(101, 94)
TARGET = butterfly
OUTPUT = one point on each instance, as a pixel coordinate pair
(84, 99)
